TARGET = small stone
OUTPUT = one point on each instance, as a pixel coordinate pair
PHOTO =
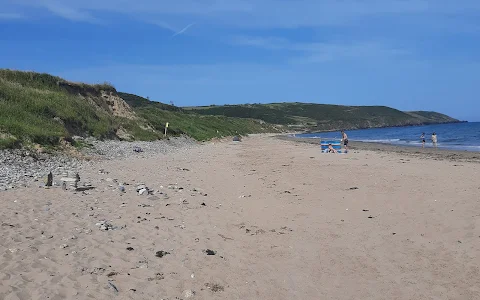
(63, 246)
(210, 252)
(188, 293)
(130, 249)
(161, 253)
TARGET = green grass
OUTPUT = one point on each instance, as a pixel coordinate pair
(137, 102)
(48, 82)
(200, 127)
(40, 108)
(81, 144)
(6, 143)
(43, 116)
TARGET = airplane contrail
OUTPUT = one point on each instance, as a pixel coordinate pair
(183, 30)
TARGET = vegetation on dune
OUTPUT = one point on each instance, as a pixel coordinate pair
(43, 109)
(43, 116)
(137, 102)
(200, 127)
(49, 82)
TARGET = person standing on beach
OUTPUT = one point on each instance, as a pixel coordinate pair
(345, 140)
(422, 137)
(434, 139)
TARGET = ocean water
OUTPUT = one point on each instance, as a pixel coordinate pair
(457, 136)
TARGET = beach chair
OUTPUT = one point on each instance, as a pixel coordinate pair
(336, 144)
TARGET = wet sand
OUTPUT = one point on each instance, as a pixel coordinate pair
(425, 153)
(283, 220)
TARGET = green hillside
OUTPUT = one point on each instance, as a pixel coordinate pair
(323, 116)
(198, 126)
(44, 109)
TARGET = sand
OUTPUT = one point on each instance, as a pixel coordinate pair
(285, 222)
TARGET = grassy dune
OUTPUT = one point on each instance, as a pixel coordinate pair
(43, 109)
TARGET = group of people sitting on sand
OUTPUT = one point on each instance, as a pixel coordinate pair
(345, 144)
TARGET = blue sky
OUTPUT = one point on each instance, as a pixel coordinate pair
(411, 55)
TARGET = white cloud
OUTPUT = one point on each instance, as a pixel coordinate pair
(67, 12)
(321, 52)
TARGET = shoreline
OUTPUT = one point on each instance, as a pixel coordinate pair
(426, 153)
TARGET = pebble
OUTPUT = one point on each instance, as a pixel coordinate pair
(19, 168)
(124, 150)
(188, 293)
(210, 252)
(161, 253)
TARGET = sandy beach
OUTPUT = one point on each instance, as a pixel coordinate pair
(262, 219)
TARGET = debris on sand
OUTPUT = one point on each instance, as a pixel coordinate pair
(214, 287)
(188, 293)
(353, 188)
(224, 237)
(137, 149)
(158, 276)
(161, 253)
(105, 225)
(142, 189)
(209, 252)
(113, 287)
(84, 188)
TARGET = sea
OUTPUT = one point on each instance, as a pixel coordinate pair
(454, 136)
